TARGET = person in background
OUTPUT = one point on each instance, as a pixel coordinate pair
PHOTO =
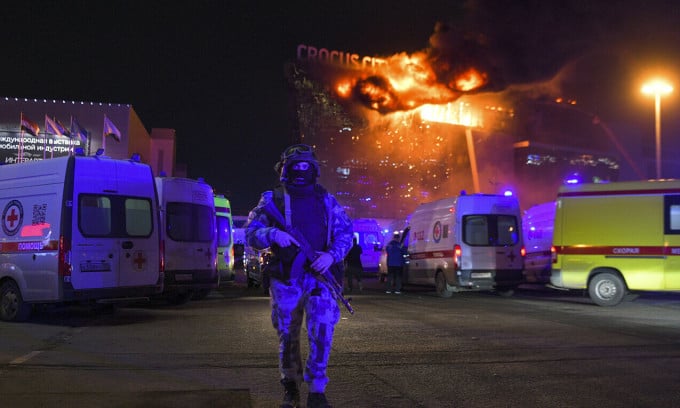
(295, 288)
(353, 265)
(395, 264)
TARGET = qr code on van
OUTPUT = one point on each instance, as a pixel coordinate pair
(39, 214)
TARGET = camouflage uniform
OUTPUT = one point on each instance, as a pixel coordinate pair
(302, 294)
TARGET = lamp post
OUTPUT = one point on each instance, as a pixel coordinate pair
(657, 88)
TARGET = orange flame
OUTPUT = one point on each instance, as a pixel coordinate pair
(406, 82)
(470, 80)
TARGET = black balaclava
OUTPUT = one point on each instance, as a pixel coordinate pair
(301, 177)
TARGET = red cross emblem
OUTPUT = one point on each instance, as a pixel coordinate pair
(437, 231)
(12, 217)
(139, 260)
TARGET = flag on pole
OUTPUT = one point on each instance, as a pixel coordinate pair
(29, 126)
(64, 130)
(110, 129)
(77, 130)
(53, 127)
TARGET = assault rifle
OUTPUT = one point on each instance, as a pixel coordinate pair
(325, 277)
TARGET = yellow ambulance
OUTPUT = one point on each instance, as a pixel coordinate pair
(225, 239)
(616, 238)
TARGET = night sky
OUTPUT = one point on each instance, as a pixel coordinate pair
(214, 70)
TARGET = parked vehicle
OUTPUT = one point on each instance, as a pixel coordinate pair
(468, 242)
(369, 237)
(225, 239)
(77, 229)
(187, 212)
(537, 227)
(615, 238)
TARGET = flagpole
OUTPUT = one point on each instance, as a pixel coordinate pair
(45, 140)
(21, 139)
(104, 135)
(70, 139)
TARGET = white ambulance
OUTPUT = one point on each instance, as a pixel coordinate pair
(469, 242)
(189, 235)
(77, 229)
(369, 237)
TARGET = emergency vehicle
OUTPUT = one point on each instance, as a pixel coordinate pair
(225, 239)
(537, 227)
(77, 229)
(189, 235)
(469, 242)
(369, 237)
(617, 237)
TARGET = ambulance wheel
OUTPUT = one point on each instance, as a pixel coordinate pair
(12, 305)
(606, 289)
(440, 285)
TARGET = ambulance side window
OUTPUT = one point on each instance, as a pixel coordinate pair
(190, 222)
(114, 216)
(138, 217)
(490, 230)
(223, 231)
(672, 214)
(476, 230)
(94, 216)
(507, 230)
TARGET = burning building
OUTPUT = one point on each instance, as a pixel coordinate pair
(395, 132)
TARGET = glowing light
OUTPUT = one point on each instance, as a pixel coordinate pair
(658, 88)
(456, 113)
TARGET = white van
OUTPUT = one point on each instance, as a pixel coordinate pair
(77, 229)
(187, 209)
(469, 242)
(537, 226)
(369, 236)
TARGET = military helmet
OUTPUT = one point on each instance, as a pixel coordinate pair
(293, 154)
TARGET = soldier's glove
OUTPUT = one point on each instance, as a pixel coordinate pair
(322, 262)
(282, 238)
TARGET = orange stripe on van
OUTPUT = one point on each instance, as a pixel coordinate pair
(626, 251)
(29, 246)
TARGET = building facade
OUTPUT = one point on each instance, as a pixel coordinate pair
(38, 129)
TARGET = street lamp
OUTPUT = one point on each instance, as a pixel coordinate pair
(657, 88)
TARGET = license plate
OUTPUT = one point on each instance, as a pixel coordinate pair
(183, 277)
(480, 275)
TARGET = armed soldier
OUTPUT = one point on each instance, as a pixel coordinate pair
(295, 287)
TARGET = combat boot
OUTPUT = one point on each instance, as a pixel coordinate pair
(291, 398)
(317, 400)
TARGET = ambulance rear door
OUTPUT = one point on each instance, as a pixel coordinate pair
(491, 238)
(115, 239)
